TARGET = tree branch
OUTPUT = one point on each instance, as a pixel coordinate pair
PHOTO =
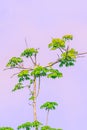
(32, 60)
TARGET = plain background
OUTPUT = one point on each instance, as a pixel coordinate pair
(38, 21)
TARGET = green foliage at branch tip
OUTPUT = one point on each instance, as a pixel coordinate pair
(46, 128)
(67, 37)
(18, 86)
(54, 73)
(6, 128)
(49, 105)
(56, 43)
(14, 61)
(49, 128)
(36, 124)
(26, 125)
(39, 71)
(29, 52)
(68, 58)
(23, 75)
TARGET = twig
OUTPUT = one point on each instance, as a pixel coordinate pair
(82, 53)
(53, 63)
(61, 50)
(14, 75)
(32, 60)
(26, 43)
(30, 69)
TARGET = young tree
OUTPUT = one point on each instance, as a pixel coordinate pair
(49, 106)
(66, 57)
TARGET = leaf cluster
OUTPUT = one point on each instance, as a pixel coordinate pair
(54, 73)
(6, 128)
(18, 86)
(68, 58)
(56, 43)
(29, 125)
(67, 37)
(14, 61)
(29, 52)
(23, 75)
(49, 106)
(49, 128)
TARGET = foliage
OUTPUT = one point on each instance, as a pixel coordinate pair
(54, 73)
(68, 58)
(29, 52)
(49, 128)
(18, 86)
(56, 43)
(6, 128)
(23, 75)
(36, 124)
(39, 71)
(49, 105)
(67, 37)
(26, 125)
(14, 61)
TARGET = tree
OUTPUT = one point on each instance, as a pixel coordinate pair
(49, 106)
(66, 57)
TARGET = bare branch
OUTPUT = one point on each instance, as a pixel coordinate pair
(14, 75)
(61, 50)
(53, 63)
(84, 53)
(32, 60)
(26, 43)
(16, 67)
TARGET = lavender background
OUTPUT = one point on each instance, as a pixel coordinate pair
(39, 21)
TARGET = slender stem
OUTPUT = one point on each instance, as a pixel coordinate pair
(47, 117)
(34, 100)
(32, 60)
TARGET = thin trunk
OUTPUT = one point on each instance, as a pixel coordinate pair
(47, 117)
(34, 102)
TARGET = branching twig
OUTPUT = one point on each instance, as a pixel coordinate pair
(14, 74)
(53, 63)
(61, 50)
(16, 67)
(32, 60)
(82, 53)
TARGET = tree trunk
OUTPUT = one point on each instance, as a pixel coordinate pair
(47, 117)
(34, 102)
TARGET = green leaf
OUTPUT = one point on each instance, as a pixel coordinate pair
(26, 125)
(68, 58)
(14, 61)
(54, 73)
(49, 105)
(56, 43)
(46, 128)
(6, 128)
(29, 52)
(67, 37)
(31, 98)
(36, 124)
(18, 86)
(24, 75)
(39, 71)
